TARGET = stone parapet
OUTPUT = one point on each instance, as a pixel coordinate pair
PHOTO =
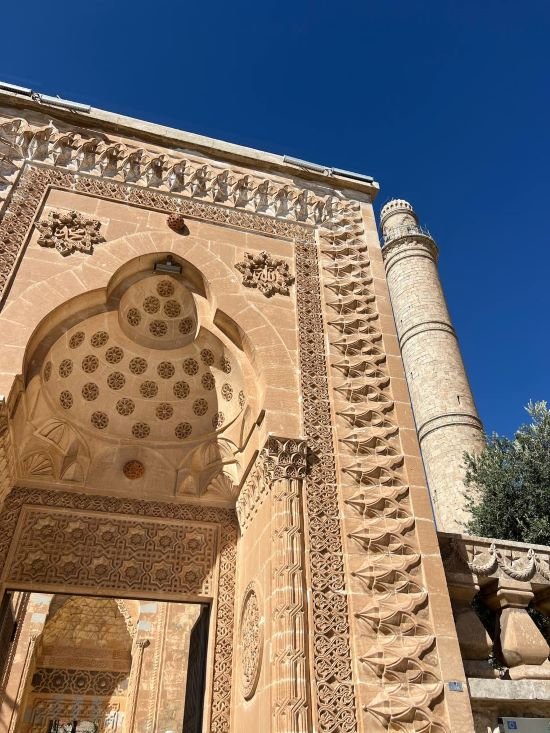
(507, 580)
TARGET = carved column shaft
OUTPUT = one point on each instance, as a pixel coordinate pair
(291, 710)
(286, 465)
(135, 676)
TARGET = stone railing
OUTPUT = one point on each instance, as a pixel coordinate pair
(505, 583)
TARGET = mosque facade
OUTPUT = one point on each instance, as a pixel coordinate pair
(231, 451)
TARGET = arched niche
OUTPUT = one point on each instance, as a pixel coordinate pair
(147, 385)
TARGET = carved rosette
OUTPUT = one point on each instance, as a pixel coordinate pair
(251, 641)
(266, 273)
(69, 231)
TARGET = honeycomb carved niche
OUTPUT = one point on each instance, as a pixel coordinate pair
(251, 641)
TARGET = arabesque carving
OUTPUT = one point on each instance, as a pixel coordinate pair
(269, 275)
(251, 641)
(80, 682)
(69, 231)
(23, 503)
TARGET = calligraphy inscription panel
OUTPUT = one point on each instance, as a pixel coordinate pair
(57, 547)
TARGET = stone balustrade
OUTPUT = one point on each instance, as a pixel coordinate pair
(496, 582)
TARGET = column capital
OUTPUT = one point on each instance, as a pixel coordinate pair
(285, 457)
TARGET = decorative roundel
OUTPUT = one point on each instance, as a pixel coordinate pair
(133, 317)
(114, 354)
(99, 339)
(225, 365)
(47, 371)
(181, 390)
(76, 339)
(207, 356)
(151, 304)
(90, 363)
(148, 389)
(164, 411)
(172, 309)
(251, 641)
(208, 381)
(200, 407)
(133, 469)
(99, 420)
(66, 399)
(125, 406)
(227, 392)
(116, 380)
(158, 328)
(165, 288)
(140, 430)
(218, 420)
(166, 369)
(90, 391)
(190, 366)
(137, 365)
(185, 326)
(183, 430)
(65, 368)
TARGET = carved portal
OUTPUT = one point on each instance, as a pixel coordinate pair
(269, 275)
(70, 231)
(113, 530)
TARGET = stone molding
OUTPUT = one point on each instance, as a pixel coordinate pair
(21, 499)
(447, 420)
(409, 246)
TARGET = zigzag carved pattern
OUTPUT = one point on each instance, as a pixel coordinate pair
(401, 659)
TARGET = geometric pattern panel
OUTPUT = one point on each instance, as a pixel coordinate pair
(79, 682)
(56, 547)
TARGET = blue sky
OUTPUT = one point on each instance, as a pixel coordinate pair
(446, 103)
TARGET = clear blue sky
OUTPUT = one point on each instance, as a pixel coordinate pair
(446, 103)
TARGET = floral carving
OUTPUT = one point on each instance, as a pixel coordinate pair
(69, 231)
(269, 275)
(251, 642)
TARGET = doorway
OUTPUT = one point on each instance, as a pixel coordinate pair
(89, 664)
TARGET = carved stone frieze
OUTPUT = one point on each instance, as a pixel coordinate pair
(80, 682)
(69, 231)
(251, 641)
(22, 503)
(268, 274)
(97, 155)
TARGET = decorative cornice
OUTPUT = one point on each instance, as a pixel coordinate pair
(96, 154)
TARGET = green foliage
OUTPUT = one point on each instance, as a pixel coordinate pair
(509, 483)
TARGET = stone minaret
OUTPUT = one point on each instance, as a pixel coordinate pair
(446, 417)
